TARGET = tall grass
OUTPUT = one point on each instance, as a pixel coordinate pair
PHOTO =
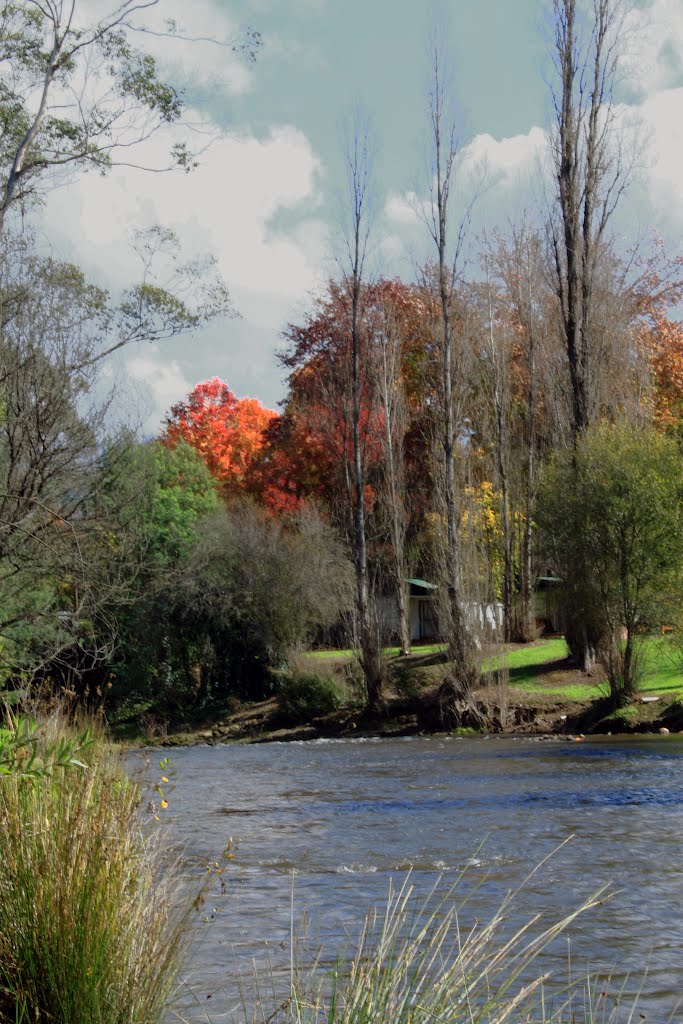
(417, 964)
(427, 960)
(87, 933)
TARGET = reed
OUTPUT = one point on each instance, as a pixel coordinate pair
(416, 962)
(88, 933)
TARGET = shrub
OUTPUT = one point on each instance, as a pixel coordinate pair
(303, 696)
(28, 752)
(87, 935)
(410, 682)
(355, 685)
(610, 513)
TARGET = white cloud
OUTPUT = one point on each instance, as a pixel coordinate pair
(493, 172)
(392, 249)
(230, 207)
(654, 47)
(226, 206)
(402, 209)
(164, 380)
(198, 53)
(510, 164)
(663, 159)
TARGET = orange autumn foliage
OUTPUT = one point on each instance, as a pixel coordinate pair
(662, 340)
(228, 432)
(658, 289)
(314, 436)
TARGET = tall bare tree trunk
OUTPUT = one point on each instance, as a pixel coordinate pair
(528, 623)
(463, 670)
(356, 241)
(393, 401)
(500, 388)
(591, 178)
(396, 480)
(519, 271)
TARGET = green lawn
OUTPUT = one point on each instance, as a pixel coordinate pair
(531, 668)
(575, 691)
(391, 652)
(530, 656)
(662, 667)
(663, 664)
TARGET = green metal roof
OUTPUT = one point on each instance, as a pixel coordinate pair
(422, 583)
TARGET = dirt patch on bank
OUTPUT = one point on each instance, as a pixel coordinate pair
(415, 705)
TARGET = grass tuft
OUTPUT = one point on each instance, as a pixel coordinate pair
(87, 934)
(417, 962)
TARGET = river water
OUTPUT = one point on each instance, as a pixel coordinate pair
(324, 825)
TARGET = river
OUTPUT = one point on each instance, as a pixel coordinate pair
(325, 825)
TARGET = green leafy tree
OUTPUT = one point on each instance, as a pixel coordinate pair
(168, 491)
(611, 518)
(62, 535)
(78, 93)
(183, 493)
(247, 590)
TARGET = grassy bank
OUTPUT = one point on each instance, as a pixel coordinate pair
(534, 685)
(535, 667)
(91, 929)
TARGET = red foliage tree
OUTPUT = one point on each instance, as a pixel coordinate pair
(228, 432)
(314, 432)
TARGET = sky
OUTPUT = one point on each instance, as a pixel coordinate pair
(266, 197)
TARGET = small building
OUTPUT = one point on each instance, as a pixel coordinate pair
(422, 611)
(486, 620)
(548, 605)
(423, 619)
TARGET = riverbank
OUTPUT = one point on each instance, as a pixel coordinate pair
(529, 689)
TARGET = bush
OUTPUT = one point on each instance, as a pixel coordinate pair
(86, 931)
(410, 682)
(303, 696)
(610, 513)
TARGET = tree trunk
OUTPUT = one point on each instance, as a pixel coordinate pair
(528, 621)
(395, 476)
(502, 454)
(403, 603)
(590, 180)
(463, 671)
(371, 655)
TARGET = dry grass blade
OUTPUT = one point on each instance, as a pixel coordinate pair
(415, 963)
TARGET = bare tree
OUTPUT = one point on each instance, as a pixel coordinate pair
(591, 172)
(438, 216)
(388, 352)
(353, 269)
(518, 268)
(498, 351)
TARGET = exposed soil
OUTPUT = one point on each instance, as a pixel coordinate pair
(421, 708)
